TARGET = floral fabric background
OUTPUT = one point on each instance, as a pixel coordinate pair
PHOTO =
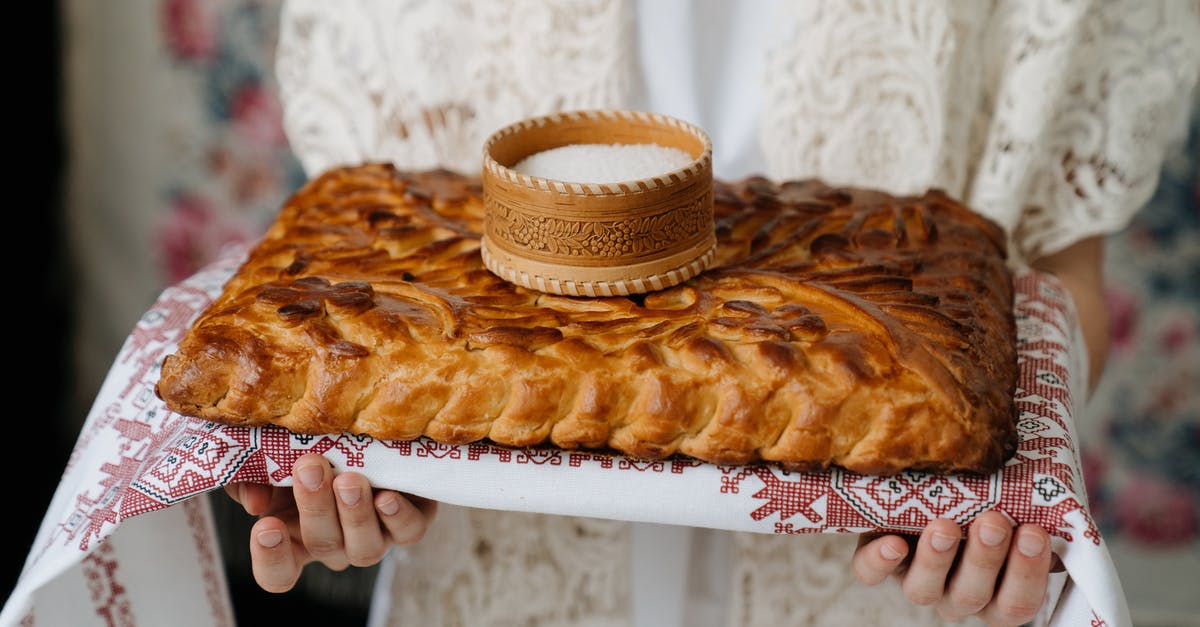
(1141, 430)
(245, 167)
(188, 154)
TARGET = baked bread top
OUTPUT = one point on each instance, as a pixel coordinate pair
(836, 327)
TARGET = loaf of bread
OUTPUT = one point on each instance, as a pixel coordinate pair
(837, 326)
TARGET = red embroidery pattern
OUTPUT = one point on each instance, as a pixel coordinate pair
(787, 498)
(97, 512)
(108, 595)
(476, 451)
(575, 460)
(214, 581)
(731, 484)
(161, 326)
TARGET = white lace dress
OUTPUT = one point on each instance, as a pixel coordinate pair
(1050, 116)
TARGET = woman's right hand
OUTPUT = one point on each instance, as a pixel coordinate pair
(308, 523)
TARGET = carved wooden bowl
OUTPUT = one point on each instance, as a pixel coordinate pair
(597, 239)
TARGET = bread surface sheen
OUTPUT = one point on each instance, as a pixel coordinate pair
(837, 326)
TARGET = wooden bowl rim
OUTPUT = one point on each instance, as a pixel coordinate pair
(697, 166)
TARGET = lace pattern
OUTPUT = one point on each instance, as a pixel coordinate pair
(1050, 117)
(1058, 138)
(1126, 73)
(422, 83)
(784, 580)
(482, 567)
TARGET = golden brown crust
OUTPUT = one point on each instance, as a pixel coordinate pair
(838, 327)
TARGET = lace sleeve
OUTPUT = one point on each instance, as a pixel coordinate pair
(1115, 87)
(1050, 117)
(421, 83)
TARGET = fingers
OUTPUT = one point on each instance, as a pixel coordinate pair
(341, 524)
(877, 558)
(1026, 575)
(405, 518)
(262, 500)
(272, 556)
(361, 532)
(320, 526)
(255, 498)
(925, 581)
(336, 520)
(974, 580)
(1000, 576)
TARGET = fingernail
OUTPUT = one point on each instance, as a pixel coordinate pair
(270, 539)
(389, 507)
(942, 542)
(889, 553)
(311, 476)
(349, 494)
(991, 535)
(1030, 544)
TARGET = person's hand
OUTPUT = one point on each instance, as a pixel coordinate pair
(999, 574)
(307, 523)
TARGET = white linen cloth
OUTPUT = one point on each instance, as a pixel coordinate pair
(126, 534)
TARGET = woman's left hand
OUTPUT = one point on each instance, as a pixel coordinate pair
(999, 573)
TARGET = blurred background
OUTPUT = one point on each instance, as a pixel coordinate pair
(158, 140)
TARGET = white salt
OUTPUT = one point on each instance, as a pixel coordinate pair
(603, 163)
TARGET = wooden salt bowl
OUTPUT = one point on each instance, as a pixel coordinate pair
(597, 239)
